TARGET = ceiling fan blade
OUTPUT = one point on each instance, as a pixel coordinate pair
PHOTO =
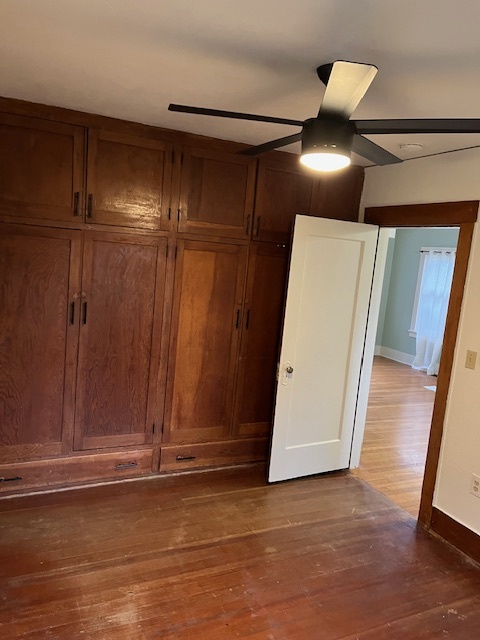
(182, 108)
(273, 144)
(421, 125)
(347, 84)
(371, 151)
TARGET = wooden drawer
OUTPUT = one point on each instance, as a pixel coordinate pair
(77, 469)
(212, 454)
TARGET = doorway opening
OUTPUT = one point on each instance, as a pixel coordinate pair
(412, 315)
(446, 214)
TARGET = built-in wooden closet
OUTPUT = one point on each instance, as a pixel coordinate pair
(142, 283)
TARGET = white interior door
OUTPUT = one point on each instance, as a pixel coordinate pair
(326, 314)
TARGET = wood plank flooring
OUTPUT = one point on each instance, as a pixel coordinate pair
(396, 432)
(221, 556)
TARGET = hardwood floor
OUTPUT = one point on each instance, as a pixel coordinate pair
(222, 555)
(396, 433)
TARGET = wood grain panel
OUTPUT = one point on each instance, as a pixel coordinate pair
(39, 274)
(456, 534)
(213, 454)
(206, 322)
(283, 190)
(120, 336)
(41, 168)
(216, 193)
(439, 214)
(128, 180)
(337, 195)
(59, 472)
(262, 325)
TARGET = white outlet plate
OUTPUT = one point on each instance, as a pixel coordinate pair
(475, 485)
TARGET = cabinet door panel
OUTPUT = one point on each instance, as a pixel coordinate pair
(41, 168)
(338, 195)
(39, 273)
(120, 334)
(206, 322)
(283, 190)
(128, 180)
(216, 193)
(266, 283)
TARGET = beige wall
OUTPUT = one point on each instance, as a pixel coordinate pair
(446, 178)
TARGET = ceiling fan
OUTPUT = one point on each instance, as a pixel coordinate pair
(329, 138)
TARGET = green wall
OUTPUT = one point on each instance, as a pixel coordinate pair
(400, 283)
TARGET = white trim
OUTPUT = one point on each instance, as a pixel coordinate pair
(393, 354)
(369, 349)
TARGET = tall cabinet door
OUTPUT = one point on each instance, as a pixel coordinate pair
(41, 168)
(128, 180)
(262, 325)
(206, 324)
(120, 336)
(216, 193)
(39, 275)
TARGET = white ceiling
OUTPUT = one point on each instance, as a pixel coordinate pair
(131, 58)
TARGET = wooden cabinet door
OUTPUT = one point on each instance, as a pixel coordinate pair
(128, 180)
(120, 335)
(262, 325)
(207, 316)
(337, 195)
(216, 193)
(39, 275)
(283, 190)
(41, 168)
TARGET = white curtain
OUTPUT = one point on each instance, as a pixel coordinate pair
(432, 309)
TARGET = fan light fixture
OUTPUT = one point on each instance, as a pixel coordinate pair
(326, 143)
(329, 160)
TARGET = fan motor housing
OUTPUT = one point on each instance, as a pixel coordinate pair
(327, 132)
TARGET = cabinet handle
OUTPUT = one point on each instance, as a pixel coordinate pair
(84, 313)
(76, 200)
(72, 312)
(257, 231)
(237, 322)
(12, 479)
(179, 214)
(90, 206)
(125, 465)
(247, 230)
(247, 322)
(182, 458)
(169, 213)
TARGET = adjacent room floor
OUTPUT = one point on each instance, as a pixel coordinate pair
(222, 555)
(397, 431)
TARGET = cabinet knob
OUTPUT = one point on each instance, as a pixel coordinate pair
(289, 370)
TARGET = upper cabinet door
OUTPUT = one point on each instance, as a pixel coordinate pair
(128, 180)
(283, 190)
(337, 195)
(118, 400)
(206, 326)
(39, 277)
(216, 193)
(41, 168)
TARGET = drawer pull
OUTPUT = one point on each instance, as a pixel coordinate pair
(125, 465)
(183, 458)
(12, 479)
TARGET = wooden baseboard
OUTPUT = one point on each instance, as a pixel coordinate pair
(456, 534)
